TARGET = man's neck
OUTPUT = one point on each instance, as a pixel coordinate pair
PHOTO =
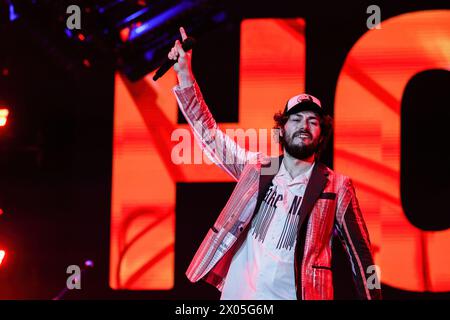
(295, 166)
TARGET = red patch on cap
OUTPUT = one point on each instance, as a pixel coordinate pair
(303, 97)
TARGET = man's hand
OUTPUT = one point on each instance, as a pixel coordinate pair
(183, 65)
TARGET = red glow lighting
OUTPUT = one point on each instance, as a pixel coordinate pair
(2, 256)
(81, 37)
(124, 34)
(3, 116)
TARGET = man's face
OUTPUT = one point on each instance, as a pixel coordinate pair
(301, 134)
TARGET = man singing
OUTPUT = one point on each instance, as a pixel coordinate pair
(273, 239)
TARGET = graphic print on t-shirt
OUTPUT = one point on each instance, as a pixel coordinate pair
(262, 221)
(289, 233)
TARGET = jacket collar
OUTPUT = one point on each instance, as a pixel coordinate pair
(316, 184)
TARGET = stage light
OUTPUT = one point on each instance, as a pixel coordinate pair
(12, 12)
(89, 264)
(138, 33)
(86, 63)
(160, 19)
(2, 256)
(134, 16)
(68, 33)
(125, 34)
(3, 116)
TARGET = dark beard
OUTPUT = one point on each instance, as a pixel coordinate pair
(297, 151)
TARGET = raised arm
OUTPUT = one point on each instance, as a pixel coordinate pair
(220, 148)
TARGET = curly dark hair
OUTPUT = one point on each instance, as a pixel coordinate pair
(326, 129)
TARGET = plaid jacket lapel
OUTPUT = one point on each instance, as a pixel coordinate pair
(313, 190)
(265, 182)
(316, 184)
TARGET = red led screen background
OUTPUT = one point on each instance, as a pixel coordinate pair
(366, 146)
(144, 177)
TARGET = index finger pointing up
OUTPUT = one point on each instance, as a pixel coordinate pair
(183, 34)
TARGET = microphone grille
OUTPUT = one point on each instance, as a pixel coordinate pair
(188, 43)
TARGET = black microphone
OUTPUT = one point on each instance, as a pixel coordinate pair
(187, 45)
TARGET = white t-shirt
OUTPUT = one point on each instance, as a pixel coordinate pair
(263, 267)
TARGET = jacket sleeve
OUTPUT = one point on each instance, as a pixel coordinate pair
(220, 148)
(354, 236)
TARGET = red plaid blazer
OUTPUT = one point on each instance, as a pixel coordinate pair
(329, 205)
